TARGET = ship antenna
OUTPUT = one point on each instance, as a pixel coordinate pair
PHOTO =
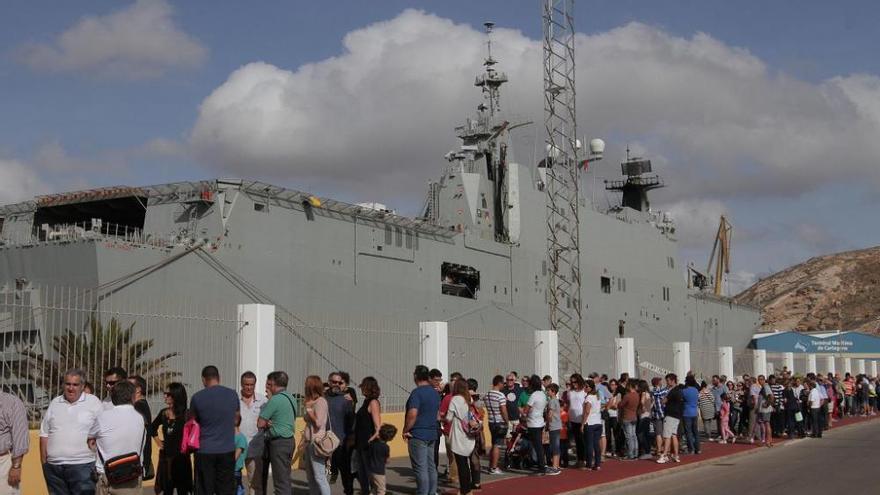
(491, 80)
(489, 25)
(627, 151)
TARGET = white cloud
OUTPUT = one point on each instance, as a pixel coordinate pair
(18, 182)
(696, 221)
(137, 42)
(378, 117)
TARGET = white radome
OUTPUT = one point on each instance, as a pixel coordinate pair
(597, 146)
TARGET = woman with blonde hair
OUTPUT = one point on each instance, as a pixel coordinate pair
(316, 424)
(462, 439)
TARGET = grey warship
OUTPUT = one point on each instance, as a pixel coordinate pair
(352, 281)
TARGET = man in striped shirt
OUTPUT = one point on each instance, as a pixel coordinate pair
(658, 412)
(496, 408)
(777, 417)
(14, 442)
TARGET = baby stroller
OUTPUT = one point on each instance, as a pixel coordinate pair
(518, 450)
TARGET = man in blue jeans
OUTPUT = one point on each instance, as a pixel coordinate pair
(420, 430)
(68, 461)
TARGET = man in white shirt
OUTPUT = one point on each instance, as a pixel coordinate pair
(251, 403)
(118, 431)
(64, 451)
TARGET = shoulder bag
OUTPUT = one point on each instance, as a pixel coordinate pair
(191, 434)
(123, 468)
(323, 444)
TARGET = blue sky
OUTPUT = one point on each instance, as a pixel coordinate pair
(155, 107)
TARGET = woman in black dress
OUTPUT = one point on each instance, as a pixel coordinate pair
(174, 471)
(366, 429)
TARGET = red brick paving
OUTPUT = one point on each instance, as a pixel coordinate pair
(614, 470)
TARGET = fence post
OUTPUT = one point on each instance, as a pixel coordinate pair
(625, 356)
(829, 364)
(256, 341)
(860, 366)
(847, 365)
(811, 363)
(872, 368)
(681, 352)
(547, 354)
(759, 362)
(725, 361)
(434, 345)
(788, 361)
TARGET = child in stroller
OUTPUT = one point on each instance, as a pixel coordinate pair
(518, 451)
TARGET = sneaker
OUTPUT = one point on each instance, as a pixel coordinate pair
(496, 471)
(663, 459)
(646, 457)
(552, 471)
(333, 476)
(676, 458)
(722, 442)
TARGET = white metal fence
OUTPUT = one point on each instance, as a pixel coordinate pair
(47, 330)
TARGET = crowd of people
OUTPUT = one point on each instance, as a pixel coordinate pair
(222, 441)
(542, 427)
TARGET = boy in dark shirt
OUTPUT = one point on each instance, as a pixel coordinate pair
(379, 454)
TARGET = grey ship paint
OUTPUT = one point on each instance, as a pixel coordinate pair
(476, 258)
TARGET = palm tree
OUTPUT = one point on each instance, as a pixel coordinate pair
(96, 350)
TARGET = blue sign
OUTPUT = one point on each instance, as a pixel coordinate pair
(845, 342)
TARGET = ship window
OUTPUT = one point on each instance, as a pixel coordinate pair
(606, 285)
(624, 285)
(408, 239)
(388, 235)
(459, 280)
(544, 268)
(398, 237)
(2, 221)
(484, 203)
(259, 207)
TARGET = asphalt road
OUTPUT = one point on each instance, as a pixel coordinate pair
(842, 462)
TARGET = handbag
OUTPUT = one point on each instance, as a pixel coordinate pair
(123, 468)
(323, 444)
(798, 417)
(191, 435)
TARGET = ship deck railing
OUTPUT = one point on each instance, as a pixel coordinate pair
(85, 231)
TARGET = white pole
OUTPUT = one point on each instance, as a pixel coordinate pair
(434, 348)
(547, 354)
(759, 362)
(860, 366)
(256, 342)
(725, 361)
(829, 364)
(872, 368)
(847, 365)
(788, 361)
(625, 356)
(811, 363)
(682, 359)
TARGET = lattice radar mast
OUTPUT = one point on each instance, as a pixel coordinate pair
(563, 195)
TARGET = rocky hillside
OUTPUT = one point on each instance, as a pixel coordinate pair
(836, 291)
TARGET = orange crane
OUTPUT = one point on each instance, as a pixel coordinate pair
(722, 248)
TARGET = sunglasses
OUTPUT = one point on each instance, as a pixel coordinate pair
(110, 383)
(335, 382)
